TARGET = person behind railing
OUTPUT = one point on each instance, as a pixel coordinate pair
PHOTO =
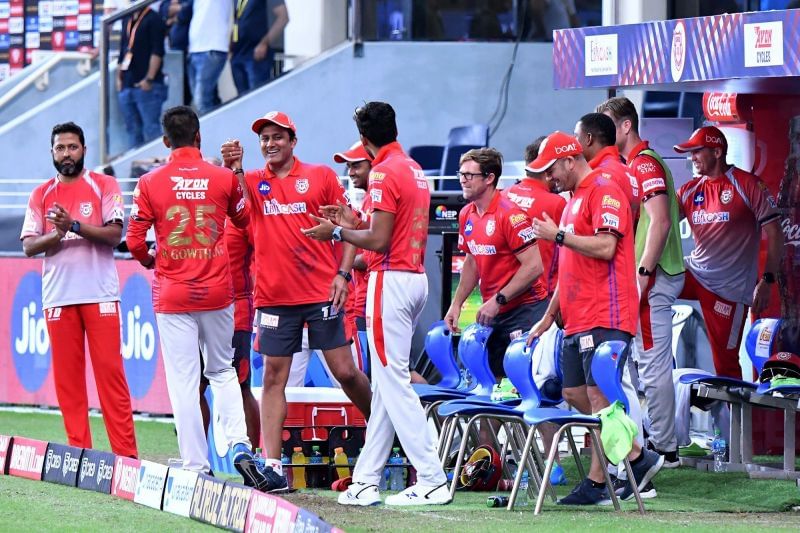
(254, 44)
(209, 34)
(176, 15)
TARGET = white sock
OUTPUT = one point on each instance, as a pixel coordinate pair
(276, 465)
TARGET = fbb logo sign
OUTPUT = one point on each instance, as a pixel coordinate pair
(139, 335)
(30, 344)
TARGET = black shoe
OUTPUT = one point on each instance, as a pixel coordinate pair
(649, 491)
(643, 472)
(619, 484)
(274, 483)
(671, 459)
(245, 464)
(585, 493)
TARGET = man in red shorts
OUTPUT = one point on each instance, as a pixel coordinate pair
(75, 219)
(298, 280)
(727, 209)
(596, 293)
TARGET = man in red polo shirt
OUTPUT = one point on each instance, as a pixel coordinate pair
(497, 238)
(596, 293)
(533, 196)
(727, 208)
(299, 281)
(398, 287)
(187, 202)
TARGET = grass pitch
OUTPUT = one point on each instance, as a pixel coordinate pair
(687, 499)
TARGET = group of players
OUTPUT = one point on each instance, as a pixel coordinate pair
(604, 264)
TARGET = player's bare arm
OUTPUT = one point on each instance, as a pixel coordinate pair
(341, 215)
(110, 234)
(375, 238)
(466, 284)
(761, 294)
(599, 246)
(37, 244)
(530, 268)
(553, 310)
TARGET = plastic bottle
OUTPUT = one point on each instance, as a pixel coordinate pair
(287, 470)
(340, 458)
(719, 448)
(314, 474)
(397, 471)
(299, 471)
(523, 488)
(258, 457)
(789, 272)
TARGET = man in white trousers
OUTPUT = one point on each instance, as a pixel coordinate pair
(187, 201)
(398, 288)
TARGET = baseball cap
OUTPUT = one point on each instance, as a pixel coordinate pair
(356, 153)
(705, 137)
(274, 117)
(558, 145)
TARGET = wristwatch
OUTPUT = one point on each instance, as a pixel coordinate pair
(768, 277)
(560, 237)
(346, 275)
(644, 272)
(75, 227)
(500, 298)
(337, 234)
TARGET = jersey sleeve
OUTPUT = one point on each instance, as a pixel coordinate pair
(113, 207)
(238, 209)
(140, 221)
(517, 229)
(383, 192)
(761, 201)
(650, 175)
(610, 210)
(34, 216)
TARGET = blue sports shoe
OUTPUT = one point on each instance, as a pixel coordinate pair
(557, 476)
(266, 480)
(586, 494)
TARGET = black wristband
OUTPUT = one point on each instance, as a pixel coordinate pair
(560, 237)
(238, 171)
(346, 275)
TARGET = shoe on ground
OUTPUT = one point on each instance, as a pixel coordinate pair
(420, 494)
(649, 491)
(246, 465)
(585, 493)
(557, 476)
(643, 472)
(360, 494)
(671, 459)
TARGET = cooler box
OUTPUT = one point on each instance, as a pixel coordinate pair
(320, 406)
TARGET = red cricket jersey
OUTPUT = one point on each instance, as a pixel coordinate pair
(726, 214)
(187, 200)
(362, 276)
(494, 240)
(239, 242)
(292, 269)
(609, 161)
(594, 293)
(533, 197)
(398, 185)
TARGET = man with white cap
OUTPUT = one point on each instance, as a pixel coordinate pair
(727, 208)
(596, 293)
(293, 286)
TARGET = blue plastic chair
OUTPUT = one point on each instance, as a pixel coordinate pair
(607, 368)
(439, 347)
(429, 157)
(461, 139)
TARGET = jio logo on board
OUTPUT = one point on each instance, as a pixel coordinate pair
(139, 335)
(30, 344)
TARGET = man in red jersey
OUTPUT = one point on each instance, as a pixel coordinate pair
(187, 201)
(398, 288)
(596, 293)
(75, 219)
(659, 257)
(300, 281)
(497, 238)
(727, 208)
(533, 196)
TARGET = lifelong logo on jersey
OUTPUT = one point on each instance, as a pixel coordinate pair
(264, 187)
(301, 185)
(726, 196)
(490, 225)
(30, 344)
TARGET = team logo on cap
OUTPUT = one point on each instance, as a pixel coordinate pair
(301, 185)
(699, 198)
(86, 208)
(726, 196)
(263, 187)
(490, 228)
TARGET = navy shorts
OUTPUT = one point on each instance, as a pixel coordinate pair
(280, 328)
(578, 350)
(507, 327)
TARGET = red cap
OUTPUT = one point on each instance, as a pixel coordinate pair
(705, 137)
(356, 153)
(557, 146)
(274, 117)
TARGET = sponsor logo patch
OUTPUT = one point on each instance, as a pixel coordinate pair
(269, 321)
(611, 221)
(586, 343)
(523, 201)
(490, 226)
(526, 234)
(273, 207)
(654, 183)
(481, 249)
(264, 187)
(722, 308)
(704, 217)
(108, 308)
(376, 196)
(517, 219)
(610, 202)
(726, 196)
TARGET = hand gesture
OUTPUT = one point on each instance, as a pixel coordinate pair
(232, 154)
(321, 232)
(451, 319)
(340, 214)
(545, 228)
(59, 217)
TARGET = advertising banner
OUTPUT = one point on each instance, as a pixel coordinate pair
(27, 458)
(97, 469)
(61, 464)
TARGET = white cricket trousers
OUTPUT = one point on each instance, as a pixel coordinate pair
(181, 335)
(394, 303)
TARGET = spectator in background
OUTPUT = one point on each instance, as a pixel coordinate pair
(209, 36)
(254, 43)
(176, 15)
(544, 16)
(140, 81)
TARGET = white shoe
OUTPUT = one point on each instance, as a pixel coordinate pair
(421, 495)
(360, 494)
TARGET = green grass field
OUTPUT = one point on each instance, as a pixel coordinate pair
(687, 499)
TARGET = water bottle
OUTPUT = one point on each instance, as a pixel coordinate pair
(287, 470)
(258, 458)
(719, 448)
(340, 458)
(497, 501)
(396, 471)
(299, 473)
(523, 488)
(314, 475)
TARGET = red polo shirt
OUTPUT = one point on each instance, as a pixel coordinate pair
(610, 163)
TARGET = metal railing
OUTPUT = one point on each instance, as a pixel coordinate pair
(40, 77)
(105, 38)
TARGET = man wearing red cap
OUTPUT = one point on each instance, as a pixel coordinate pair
(659, 258)
(301, 282)
(596, 293)
(727, 208)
